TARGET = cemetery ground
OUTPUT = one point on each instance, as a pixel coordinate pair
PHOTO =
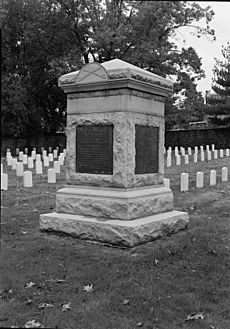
(181, 281)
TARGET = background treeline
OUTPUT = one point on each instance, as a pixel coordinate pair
(43, 39)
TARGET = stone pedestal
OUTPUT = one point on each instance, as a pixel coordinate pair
(115, 157)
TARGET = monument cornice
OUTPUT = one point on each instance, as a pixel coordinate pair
(129, 83)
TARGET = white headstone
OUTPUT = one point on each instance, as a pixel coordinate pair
(184, 182)
(215, 154)
(8, 153)
(30, 162)
(64, 151)
(196, 149)
(44, 154)
(14, 163)
(57, 167)
(38, 167)
(51, 175)
(61, 159)
(20, 158)
(24, 159)
(221, 153)
(186, 159)
(57, 148)
(202, 148)
(4, 181)
(9, 160)
(46, 161)
(189, 151)
(27, 179)
(38, 157)
(167, 182)
(207, 147)
(182, 151)
(201, 156)
(227, 153)
(176, 150)
(199, 179)
(50, 149)
(17, 151)
(19, 169)
(51, 157)
(213, 177)
(26, 150)
(213, 147)
(7, 150)
(178, 160)
(224, 174)
(33, 154)
(168, 161)
(55, 153)
(34, 149)
(195, 157)
(209, 155)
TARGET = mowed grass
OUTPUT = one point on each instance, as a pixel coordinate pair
(154, 286)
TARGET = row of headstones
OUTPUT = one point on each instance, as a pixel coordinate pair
(184, 181)
(29, 161)
(195, 156)
(189, 151)
(27, 178)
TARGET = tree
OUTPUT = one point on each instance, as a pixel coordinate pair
(43, 39)
(219, 103)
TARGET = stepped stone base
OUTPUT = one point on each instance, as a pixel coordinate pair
(124, 233)
(114, 203)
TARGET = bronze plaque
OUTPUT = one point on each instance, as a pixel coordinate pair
(94, 146)
(147, 149)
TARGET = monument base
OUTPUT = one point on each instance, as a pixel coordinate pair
(123, 233)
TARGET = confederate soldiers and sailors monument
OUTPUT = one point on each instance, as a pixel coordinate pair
(115, 191)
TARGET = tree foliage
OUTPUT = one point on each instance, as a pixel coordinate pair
(219, 103)
(43, 39)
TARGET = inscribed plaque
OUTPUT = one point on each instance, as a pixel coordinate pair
(94, 149)
(147, 149)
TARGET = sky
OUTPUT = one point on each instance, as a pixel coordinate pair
(206, 49)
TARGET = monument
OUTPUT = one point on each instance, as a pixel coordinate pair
(115, 158)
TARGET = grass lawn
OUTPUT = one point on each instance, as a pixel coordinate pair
(152, 286)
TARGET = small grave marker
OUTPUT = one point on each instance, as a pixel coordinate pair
(46, 161)
(199, 179)
(27, 179)
(57, 167)
(19, 169)
(4, 181)
(33, 154)
(24, 159)
(195, 157)
(51, 157)
(213, 177)
(51, 175)
(20, 158)
(38, 167)
(14, 163)
(224, 174)
(178, 160)
(184, 182)
(30, 163)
